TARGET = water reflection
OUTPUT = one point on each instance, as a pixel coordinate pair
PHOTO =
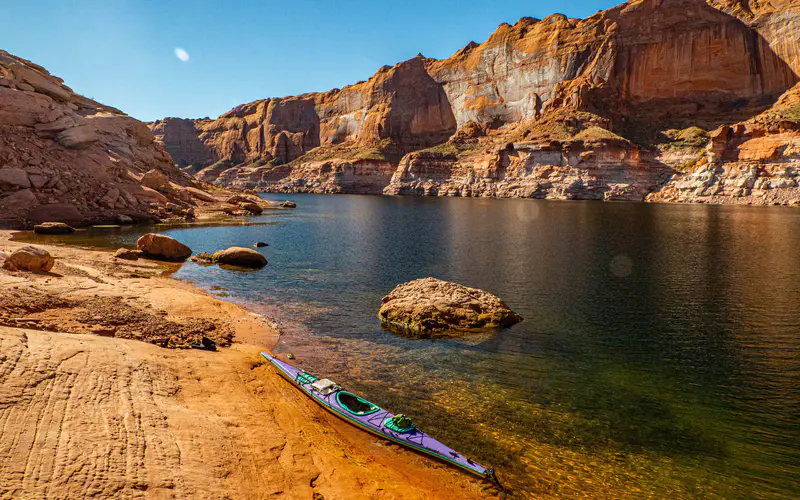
(659, 355)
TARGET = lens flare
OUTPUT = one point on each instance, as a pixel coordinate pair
(181, 54)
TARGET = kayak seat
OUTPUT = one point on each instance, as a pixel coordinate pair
(355, 404)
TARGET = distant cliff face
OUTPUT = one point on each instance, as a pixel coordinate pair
(401, 108)
(181, 139)
(614, 106)
(67, 158)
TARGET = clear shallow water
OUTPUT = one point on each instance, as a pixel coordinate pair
(659, 356)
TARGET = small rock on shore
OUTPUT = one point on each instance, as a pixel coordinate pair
(159, 246)
(30, 259)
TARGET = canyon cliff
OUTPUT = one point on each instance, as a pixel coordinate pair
(67, 158)
(658, 100)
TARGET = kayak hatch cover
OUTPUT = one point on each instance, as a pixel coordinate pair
(372, 418)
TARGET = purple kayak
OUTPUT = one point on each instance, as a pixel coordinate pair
(372, 418)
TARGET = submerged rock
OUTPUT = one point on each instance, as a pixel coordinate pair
(288, 204)
(260, 244)
(30, 259)
(430, 307)
(53, 228)
(240, 256)
(159, 246)
(202, 258)
(125, 254)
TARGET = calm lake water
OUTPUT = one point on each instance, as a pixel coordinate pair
(659, 356)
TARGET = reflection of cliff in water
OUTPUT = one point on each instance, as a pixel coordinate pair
(656, 352)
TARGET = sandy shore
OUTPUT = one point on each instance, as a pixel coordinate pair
(84, 412)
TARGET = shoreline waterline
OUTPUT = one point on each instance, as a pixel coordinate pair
(647, 360)
(208, 405)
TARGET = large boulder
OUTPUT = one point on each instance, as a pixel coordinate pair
(430, 307)
(32, 259)
(200, 194)
(18, 203)
(53, 228)
(14, 177)
(154, 179)
(79, 137)
(240, 256)
(159, 246)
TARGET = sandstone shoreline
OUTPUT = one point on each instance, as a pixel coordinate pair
(84, 413)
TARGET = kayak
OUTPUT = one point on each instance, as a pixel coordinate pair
(372, 418)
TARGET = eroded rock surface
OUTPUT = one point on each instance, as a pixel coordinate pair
(430, 307)
(618, 106)
(59, 149)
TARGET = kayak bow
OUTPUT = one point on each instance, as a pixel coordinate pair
(373, 418)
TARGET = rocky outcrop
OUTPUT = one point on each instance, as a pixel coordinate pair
(323, 176)
(162, 247)
(431, 307)
(556, 108)
(63, 153)
(755, 162)
(592, 165)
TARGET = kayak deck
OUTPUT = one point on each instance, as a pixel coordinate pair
(371, 417)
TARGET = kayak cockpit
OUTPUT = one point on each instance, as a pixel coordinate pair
(355, 404)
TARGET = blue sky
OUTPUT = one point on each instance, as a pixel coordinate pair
(122, 52)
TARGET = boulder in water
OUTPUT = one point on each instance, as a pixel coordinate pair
(53, 228)
(240, 256)
(202, 258)
(430, 307)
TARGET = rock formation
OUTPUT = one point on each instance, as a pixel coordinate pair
(159, 246)
(431, 307)
(69, 159)
(622, 105)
